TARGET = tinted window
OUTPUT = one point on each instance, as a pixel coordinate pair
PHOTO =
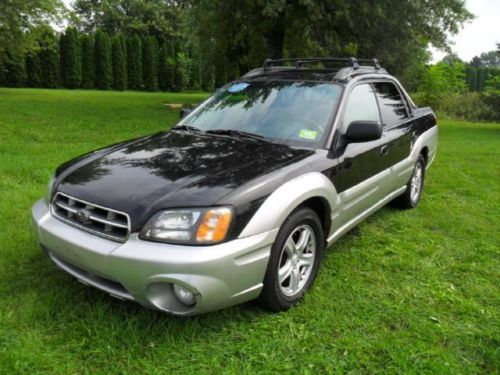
(392, 105)
(294, 113)
(361, 106)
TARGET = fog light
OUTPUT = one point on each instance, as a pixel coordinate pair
(184, 295)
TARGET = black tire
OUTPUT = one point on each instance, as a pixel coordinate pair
(274, 294)
(409, 199)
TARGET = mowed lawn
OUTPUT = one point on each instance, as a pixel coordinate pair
(413, 291)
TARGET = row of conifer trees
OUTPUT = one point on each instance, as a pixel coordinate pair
(101, 61)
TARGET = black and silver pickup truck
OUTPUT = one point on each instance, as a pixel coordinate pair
(241, 198)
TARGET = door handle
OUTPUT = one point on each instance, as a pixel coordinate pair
(384, 150)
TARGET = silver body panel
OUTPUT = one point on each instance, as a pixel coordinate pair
(219, 275)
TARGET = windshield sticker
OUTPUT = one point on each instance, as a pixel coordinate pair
(237, 87)
(308, 134)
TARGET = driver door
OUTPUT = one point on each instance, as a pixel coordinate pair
(362, 168)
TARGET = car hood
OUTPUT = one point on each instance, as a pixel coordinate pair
(171, 169)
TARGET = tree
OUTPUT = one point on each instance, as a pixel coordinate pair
(70, 56)
(489, 59)
(49, 57)
(15, 72)
(103, 69)
(119, 63)
(399, 30)
(88, 62)
(150, 64)
(33, 70)
(158, 18)
(165, 69)
(134, 62)
(18, 17)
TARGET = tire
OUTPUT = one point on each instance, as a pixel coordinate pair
(414, 188)
(297, 252)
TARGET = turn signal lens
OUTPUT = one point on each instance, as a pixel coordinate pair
(214, 225)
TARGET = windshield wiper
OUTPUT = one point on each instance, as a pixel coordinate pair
(189, 128)
(239, 134)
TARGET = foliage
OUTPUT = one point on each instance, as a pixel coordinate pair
(166, 68)
(406, 292)
(142, 17)
(440, 80)
(489, 59)
(34, 72)
(134, 62)
(182, 71)
(19, 17)
(103, 62)
(71, 59)
(119, 63)
(15, 71)
(150, 64)
(88, 62)
(244, 32)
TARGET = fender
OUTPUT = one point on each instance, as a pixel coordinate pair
(402, 171)
(280, 204)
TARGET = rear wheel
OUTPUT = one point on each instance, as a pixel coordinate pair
(294, 261)
(414, 188)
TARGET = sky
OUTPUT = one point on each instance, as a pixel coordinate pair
(479, 35)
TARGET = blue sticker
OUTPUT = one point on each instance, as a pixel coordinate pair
(237, 87)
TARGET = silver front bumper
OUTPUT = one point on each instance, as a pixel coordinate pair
(219, 275)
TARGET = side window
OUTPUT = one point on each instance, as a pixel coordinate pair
(361, 105)
(392, 106)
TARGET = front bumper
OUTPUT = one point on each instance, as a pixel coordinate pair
(219, 275)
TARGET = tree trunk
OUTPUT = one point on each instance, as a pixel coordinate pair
(274, 43)
(275, 37)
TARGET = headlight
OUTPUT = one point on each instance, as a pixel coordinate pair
(189, 226)
(50, 185)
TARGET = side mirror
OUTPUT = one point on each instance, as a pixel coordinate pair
(363, 131)
(184, 112)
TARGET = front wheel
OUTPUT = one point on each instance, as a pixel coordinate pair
(414, 188)
(294, 260)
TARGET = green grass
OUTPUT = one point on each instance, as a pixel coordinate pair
(406, 292)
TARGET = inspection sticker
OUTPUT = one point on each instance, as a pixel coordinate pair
(308, 134)
(237, 87)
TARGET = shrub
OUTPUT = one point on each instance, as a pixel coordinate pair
(88, 61)
(472, 106)
(150, 64)
(70, 55)
(103, 68)
(34, 70)
(441, 80)
(119, 63)
(165, 69)
(134, 63)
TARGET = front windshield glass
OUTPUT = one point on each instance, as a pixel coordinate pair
(295, 113)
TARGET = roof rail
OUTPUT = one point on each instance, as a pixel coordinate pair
(346, 67)
(299, 62)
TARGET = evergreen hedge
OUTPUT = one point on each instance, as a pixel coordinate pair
(134, 63)
(119, 63)
(103, 62)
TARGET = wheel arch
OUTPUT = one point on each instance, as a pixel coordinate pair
(312, 189)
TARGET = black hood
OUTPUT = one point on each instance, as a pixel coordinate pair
(171, 169)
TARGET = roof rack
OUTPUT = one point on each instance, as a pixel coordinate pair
(346, 67)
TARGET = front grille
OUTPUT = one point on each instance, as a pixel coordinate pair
(102, 221)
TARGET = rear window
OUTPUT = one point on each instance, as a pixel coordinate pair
(392, 105)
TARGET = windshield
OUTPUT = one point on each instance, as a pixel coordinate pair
(295, 113)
